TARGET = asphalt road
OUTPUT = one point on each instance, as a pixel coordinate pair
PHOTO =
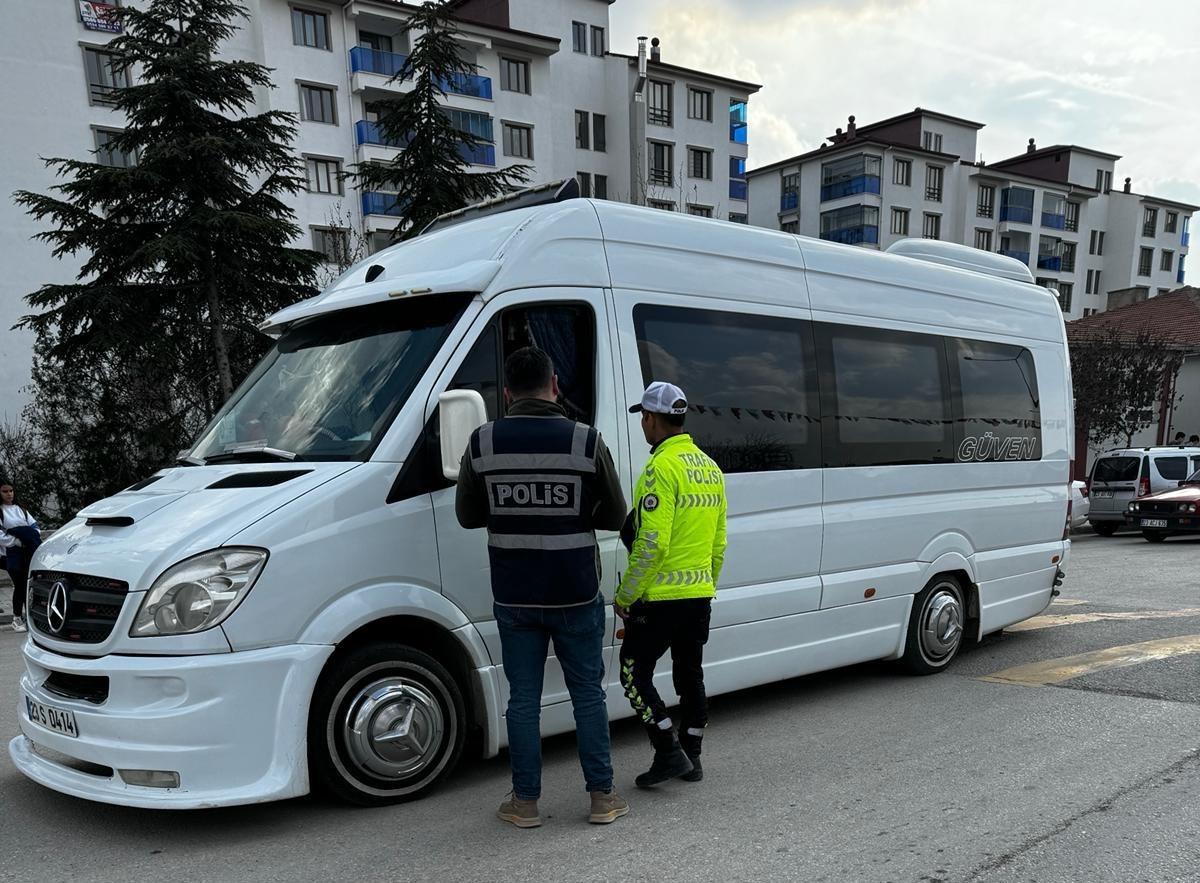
(1042, 773)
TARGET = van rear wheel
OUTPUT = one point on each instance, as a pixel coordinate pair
(387, 724)
(935, 628)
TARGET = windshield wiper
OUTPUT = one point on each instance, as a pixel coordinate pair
(252, 455)
(188, 461)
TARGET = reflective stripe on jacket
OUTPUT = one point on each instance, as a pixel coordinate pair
(679, 512)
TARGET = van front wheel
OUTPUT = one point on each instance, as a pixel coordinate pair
(935, 628)
(387, 723)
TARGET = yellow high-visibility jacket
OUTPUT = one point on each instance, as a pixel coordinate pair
(679, 512)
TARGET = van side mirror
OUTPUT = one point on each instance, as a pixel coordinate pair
(461, 411)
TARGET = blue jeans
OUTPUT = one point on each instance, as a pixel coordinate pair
(578, 636)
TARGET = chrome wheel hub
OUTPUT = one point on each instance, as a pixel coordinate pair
(941, 624)
(393, 728)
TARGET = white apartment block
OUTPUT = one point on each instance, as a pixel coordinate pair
(1053, 209)
(548, 93)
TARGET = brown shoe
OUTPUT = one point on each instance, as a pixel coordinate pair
(607, 807)
(522, 813)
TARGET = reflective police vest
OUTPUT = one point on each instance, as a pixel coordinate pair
(540, 474)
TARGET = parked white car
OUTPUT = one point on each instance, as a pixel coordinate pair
(1081, 504)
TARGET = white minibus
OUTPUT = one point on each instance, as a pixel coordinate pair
(293, 605)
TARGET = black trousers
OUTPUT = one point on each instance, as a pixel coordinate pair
(653, 628)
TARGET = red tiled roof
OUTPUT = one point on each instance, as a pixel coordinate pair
(1174, 316)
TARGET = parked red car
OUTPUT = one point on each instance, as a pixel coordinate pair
(1167, 512)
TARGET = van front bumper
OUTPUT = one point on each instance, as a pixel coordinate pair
(233, 726)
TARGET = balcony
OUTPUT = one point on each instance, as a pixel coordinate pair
(479, 155)
(859, 184)
(1051, 262)
(739, 190)
(1022, 256)
(472, 85)
(366, 132)
(374, 61)
(853, 235)
(374, 203)
(1183, 239)
(789, 201)
(1054, 221)
(1018, 213)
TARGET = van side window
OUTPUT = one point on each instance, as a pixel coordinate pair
(750, 383)
(1172, 468)
(886, 397)
(1001, 413)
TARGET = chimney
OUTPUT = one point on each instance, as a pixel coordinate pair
(642, 57)
(655, 52)
(1032, 146)
(837, 136)
(1128, 181)
(851, 128)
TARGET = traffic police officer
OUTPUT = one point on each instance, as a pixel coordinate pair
(542, 484)
(665, 596)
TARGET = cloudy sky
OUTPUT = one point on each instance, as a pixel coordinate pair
(1111, 75)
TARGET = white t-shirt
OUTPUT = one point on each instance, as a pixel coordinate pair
(14, 516)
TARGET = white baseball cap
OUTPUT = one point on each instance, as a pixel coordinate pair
(660, 398)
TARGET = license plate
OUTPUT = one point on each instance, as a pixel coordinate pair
(1154, 522)
(51, 718)
(1102, 495)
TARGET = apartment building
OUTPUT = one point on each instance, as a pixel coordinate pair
(1054, 209)
(548, 93)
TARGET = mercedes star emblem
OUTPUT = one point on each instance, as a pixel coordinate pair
(56, 607)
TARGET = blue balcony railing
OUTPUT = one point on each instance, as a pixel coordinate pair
(860, 184)
(789, 201)
(1049, 262)
(468, 84)
(739, 190)
(738, 133)
(374, 203)
(366, 132)
(1022, 256)
(376, 61)
(1055, 222)
(482, 154)
(1017, 213)
(853, 235)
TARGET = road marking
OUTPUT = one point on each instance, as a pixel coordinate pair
(1054, 620)
(1068, 602)
(1055, 671)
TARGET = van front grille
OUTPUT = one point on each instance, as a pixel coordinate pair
(92, 605)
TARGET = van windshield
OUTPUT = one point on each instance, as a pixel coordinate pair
(332, 384)
(1111, 469)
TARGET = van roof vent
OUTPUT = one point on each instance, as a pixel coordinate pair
(951, 254)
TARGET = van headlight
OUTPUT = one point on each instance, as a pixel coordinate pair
(198, 593)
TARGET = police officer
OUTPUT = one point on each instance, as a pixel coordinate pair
(665, 596)
(542, 484)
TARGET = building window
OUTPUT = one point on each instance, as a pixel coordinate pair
(700, 104)
(846, 177)
(1064, 295)
(932, 228)
(700, 211)
(1145, 261)
(933, 183)
(902, 172)
(324, 175)
(1150, 222)
(1103, 180)
(790, 197)
(1016, 204)
(1054, 212)
(518, 141)
(514, 75)
(585, 184)
(599, 135)
(739, 218)
(333, 242)
(582, 132)
(1068, 257)
(852, 225)
(376, 42)
(1088, 283)
(1168, 261)
(983, 240)
(985, 205)
(662, 204)
(1172, 222)
(310, 28)
(699, 163)
(599, 46)
(108, 155)
(790, 226)
(931, 141)
(600, 186)
(660, 102)
(1096, 243)
(579, 36)
(662, 159)
(1072, 217)
(317, 104)
(900, 221)
(105, 75)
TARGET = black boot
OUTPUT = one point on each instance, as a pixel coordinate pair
(669, 760)
(691, 747)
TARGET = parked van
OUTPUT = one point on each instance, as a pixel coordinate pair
(294, 606)
(1121, 476)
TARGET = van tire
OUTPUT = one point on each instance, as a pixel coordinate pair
(935, 626)
(1154, 536)
(389, 690)
(1104, 528)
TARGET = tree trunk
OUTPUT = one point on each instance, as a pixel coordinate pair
(220, 349)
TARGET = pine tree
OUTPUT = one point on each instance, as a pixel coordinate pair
(430, 176)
